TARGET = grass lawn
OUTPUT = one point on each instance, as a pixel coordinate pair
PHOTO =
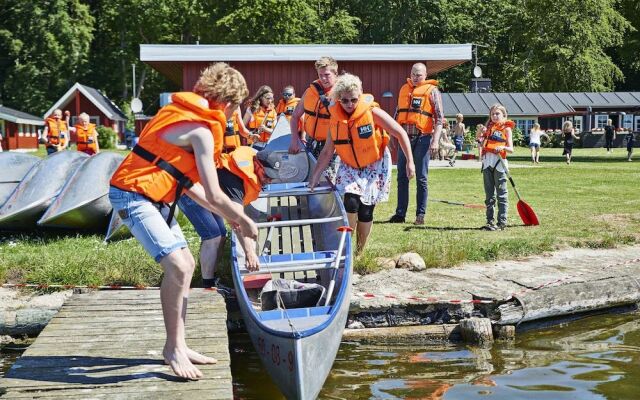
(594, 202)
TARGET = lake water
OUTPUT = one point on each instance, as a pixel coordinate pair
(595, 358)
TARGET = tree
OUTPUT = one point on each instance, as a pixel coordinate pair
(43, 50)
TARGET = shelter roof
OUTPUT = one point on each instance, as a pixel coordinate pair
(99, 99)
(19, 117)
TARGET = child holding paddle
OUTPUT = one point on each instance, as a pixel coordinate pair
(497, 143)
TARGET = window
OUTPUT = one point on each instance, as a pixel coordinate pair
(93, 119)
(577, 123)
(20, 130)
(627, 121)
(2, 128)
(601, 121)
(637, 123)
(525, 125)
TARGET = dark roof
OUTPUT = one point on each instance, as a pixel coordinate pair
(535, 104)
(104, 101)
(19, 117)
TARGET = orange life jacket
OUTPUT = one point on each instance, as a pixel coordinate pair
(414, 105)
(497, 136)
(358, 141)
(265, 118)
(161, 170)
(316, 110)
(232, 133)
(58, 131)
(287, 107)
(241, 162)
(86, 138)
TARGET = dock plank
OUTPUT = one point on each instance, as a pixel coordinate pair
(108, 344)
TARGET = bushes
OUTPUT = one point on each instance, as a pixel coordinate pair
(106, 137)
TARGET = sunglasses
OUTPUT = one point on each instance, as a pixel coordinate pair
(347, 101)
(287, 94)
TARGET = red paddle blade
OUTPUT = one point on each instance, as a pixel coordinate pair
(527, 215)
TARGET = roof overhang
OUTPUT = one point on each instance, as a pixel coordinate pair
(18, 120)
(68, 95)
(168, 59)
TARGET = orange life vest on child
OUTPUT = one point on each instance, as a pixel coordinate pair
(232, 133)
(316, 110)
(240, 162)
(414, 105)
(356, 138)
(57, 131)
(497, 136)
(269, 117)
(287, 107)
(157, 169)
(86, 137)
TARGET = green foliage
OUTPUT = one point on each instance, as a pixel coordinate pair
(106, 137)
(518, 137)
(43, 50)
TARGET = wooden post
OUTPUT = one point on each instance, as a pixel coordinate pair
(476, 330)
(504, 332)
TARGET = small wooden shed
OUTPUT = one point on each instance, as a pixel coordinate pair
(19, 130)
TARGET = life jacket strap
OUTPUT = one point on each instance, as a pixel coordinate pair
(413, 110)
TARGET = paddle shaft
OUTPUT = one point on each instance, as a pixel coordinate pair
(506, 170)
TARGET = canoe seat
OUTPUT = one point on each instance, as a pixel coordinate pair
(280, 263)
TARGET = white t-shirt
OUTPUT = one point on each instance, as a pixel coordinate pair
(492, 160)
(534, 136)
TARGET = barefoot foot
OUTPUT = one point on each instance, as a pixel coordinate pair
(198, 358)
(179, 362)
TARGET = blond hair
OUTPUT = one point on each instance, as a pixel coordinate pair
(536, 126)
(254, 102)
(500, 107)
(324, 62)
(84, 117)
(459, 117)
(221, 84)
(346, 83)
(568, 125)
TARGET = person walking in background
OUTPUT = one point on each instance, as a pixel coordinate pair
(497, 143)
(447, 149)
(534, 142)
(56, 131)
(568, 134)
(479, 139)
(260, 116)
(288, 102)
(609, 135)
(176, 154)
(359, 136)
(458, 135)
(630, 142)
(87, 135)
(421, 115)
(314, 105)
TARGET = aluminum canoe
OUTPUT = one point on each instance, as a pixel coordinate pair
(37, 190)
(13, 167)
(83, 202)
(297, 346)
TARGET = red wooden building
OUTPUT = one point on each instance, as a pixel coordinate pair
(102, 111)
(19, 130)
(383, 69)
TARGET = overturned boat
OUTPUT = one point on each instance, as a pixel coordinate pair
(35, 193)
(295, 307)
(14, 167)
(83, 202)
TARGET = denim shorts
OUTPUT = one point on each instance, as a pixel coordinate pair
(458, 140)
(207, 224)
(147, 221)
(536, 145)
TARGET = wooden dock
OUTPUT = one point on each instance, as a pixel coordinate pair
(108, 344)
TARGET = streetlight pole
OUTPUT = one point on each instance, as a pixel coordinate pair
(133, 88)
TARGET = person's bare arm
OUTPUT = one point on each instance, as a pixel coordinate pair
(323, 161)
(384, 120)
(438, 118)
(294, 146)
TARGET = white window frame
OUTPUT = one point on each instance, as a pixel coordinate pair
(637, 125)
(93, 119)
(601, 120)
(20, 129)
(578, 123)
(525, 125)
(627, 121)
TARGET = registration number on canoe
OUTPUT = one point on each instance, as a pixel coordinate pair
(271, 352)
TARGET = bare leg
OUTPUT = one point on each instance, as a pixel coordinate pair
(364, 230)
(178, 269)
(209, 250)
(533, 154)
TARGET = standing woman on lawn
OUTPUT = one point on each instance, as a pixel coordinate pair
(497, 143)
(534, 142)
(568, 134)
(357, 133)
(176, 155)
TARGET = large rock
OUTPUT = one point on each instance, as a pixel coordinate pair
(386, 263)
(411, 261)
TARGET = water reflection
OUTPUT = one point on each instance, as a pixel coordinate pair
(596, 358)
